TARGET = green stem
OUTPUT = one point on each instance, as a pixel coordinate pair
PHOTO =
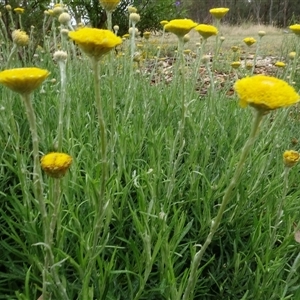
(132, 45)
(37, 174)
(13, 27)
(179, 138)
(102, 205)
(12, 53)
(109, 20)
(63, 78)
(226, 198)
(20, 22)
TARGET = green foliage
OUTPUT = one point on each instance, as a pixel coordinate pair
(174, 139)
(151, 11)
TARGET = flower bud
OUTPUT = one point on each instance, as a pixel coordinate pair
(64, 18)
(290, 158)
(261, 33)
(60, 55)
(186, 38)
(131, 9)
(134, 18)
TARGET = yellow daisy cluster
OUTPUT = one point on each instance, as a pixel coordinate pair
(206, 30)
(109, 5)
(180, 27)
(219, 13)
(290, 158)
(23, 80)
(265, 92)
(295, 28)
(249, 41)
(20, 38)
(56, 164)
(95, 42)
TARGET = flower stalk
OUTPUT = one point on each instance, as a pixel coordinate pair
(102, 205)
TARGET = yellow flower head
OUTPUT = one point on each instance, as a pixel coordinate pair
(164, 22)
(295, 28)
(280, 64)
(249, 66)
(206, 30)
(180, 27)
(20, 38)
(109, 5)
(147, 35)
(219, 13)
(95, 42)
(290, 158)
(19, 10)
(235, 48)
(23, 80)
(56, 164)
(249, 41)
(265, 92)
(235, 64)
(292, 55)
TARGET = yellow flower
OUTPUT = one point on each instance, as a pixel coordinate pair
(249, 66)
(147, 35)
(20, 38)
(280, 64)
(235, 64)
(56, 164)
(187, 51)
(206, 30)
(265, 92)
(295, 28)
(19, 10)
(234, 48)
(249, 41)
(180, 27)
(109, 5)
(290, 158)
(95, 42)
(219, 13)
(292, 55)
(23, 80)
(164, 22)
